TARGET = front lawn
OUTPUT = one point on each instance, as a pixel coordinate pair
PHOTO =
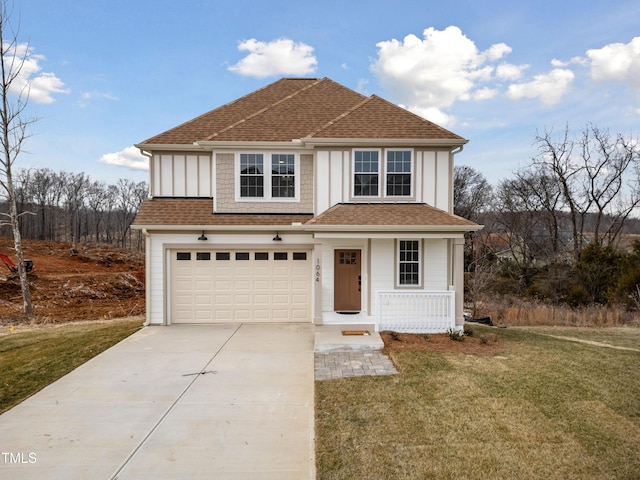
(31, 360)
(531, 406)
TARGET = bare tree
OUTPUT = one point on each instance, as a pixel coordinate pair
(13, 133)
(612, 190)
(471, 192)
(597, 176)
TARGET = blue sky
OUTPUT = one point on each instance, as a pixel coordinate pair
(105, 75)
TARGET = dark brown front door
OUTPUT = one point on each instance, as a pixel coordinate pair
(346, 291)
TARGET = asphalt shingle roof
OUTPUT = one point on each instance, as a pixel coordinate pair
(392, 214)
(291, 109)
(181, 212)
(199, 212)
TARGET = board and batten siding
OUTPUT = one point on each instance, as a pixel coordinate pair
(180, 175)
(432, 172)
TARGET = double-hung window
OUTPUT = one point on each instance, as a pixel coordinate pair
(398, 171)
(283, 175)
(267, 176)
(382, 173)
(251, 175)
(409, 262)
(366, 167)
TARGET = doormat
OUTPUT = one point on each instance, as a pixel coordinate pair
(355, 332)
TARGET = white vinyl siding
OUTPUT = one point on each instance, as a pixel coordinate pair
(182, 176)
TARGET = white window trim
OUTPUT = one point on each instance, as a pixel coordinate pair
(266, 156)
(420, 263)
(382, 174)
(411, 173)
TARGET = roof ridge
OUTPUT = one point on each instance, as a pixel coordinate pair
(209, 112)
(340, 117)
(262, 110)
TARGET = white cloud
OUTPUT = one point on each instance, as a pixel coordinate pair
(130, 157)
(430, 74)
(497, 51)
(279, 57)
(510, 72)
(619, 62)
(39, 85)
(484, 93)
(87, 97)
(549, 88)
(574, 61)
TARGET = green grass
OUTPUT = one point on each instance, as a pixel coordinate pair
(31, 360)
(541, 408)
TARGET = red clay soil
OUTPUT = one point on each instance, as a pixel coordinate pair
(90, 282)
(471, 345)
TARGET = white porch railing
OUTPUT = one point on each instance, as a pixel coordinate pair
(417, 312)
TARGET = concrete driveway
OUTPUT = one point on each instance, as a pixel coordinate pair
(185, 401)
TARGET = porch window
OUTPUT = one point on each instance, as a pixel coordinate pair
(366, 173)
(251, 175)
(409, 262)
(283, 176)
(398, 170)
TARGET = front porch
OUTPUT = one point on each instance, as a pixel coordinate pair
(403, 312)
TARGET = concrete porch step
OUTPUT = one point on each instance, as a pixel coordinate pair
(330, 338)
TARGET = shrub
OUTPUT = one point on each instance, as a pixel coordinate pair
(455, 335)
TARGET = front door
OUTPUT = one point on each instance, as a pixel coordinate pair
(347, 280)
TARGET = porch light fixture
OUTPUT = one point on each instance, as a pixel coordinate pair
(202, 237)
(277, 238)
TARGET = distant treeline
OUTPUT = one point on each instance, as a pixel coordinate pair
(71, 207)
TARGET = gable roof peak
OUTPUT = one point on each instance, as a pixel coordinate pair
(317, 109)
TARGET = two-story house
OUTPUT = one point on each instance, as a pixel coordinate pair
(304, 201)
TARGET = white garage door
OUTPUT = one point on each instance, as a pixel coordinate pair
(219, 286)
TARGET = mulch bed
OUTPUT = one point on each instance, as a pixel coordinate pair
(471, 345)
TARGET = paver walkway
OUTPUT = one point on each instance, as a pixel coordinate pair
(352, 364)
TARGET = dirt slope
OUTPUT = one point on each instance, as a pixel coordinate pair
(91, 283)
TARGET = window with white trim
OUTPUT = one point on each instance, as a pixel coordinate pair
(366, 173)
(409, 262)
(267, 176)
(398, 173)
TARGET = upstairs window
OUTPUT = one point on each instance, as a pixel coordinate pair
(251, 175)
(408, 262)
(267, 176)
(283, 176)
(366, 168)
(398, 170)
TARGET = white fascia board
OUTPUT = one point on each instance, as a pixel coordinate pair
(169, 147)
(395, 228)
(398, 234)
(219, 228)
(386, 142)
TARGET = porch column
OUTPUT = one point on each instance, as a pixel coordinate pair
(458, 278)
(316, 311)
